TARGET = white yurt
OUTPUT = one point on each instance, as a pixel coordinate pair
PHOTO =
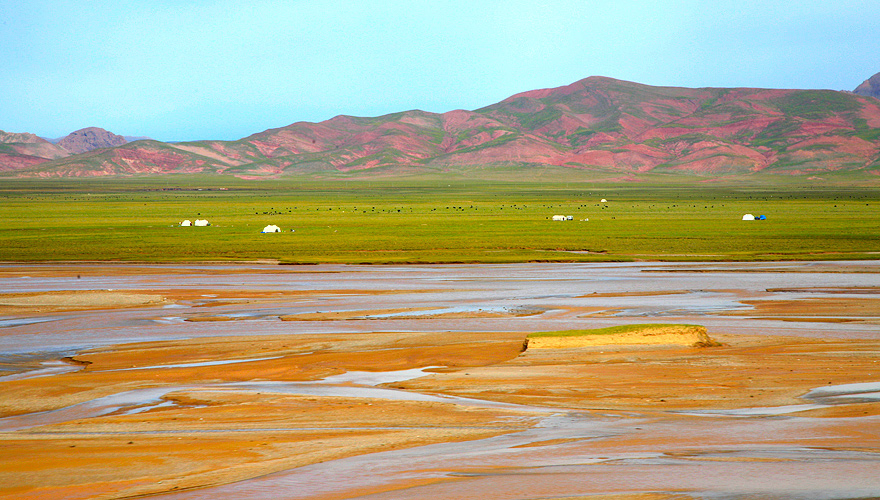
(603, 200)
(186, 223)
(748, 217)
(271, 228)
(201, 223)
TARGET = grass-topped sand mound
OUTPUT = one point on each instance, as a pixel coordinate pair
(648, 334)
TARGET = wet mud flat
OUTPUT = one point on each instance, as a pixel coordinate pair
(259, 381)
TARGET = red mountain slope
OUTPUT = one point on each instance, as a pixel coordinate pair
(596, 124)
(18, 151)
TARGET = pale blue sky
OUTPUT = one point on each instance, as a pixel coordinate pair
(224, 69)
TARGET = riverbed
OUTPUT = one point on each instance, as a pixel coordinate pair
(399, 382)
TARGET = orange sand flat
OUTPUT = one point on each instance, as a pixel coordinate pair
(213, 436)
(744, 372)
(24, 303)
(208, 435)
(232, 438)
(816, 310)
(193, 443)
(47, 302)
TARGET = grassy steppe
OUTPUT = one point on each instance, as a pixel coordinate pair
(430, 221)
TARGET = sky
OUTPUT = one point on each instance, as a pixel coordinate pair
(178, 70)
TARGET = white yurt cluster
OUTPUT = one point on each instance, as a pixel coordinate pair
(198, 222)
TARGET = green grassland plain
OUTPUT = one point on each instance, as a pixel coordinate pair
(431, 221)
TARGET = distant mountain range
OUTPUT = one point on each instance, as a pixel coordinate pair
(598, 125)
(18, 151)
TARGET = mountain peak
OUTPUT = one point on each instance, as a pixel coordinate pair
(870, 87)
(565, 89)
(26, 138)
(90, 138)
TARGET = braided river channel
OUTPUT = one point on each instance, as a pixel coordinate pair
(271, 382)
